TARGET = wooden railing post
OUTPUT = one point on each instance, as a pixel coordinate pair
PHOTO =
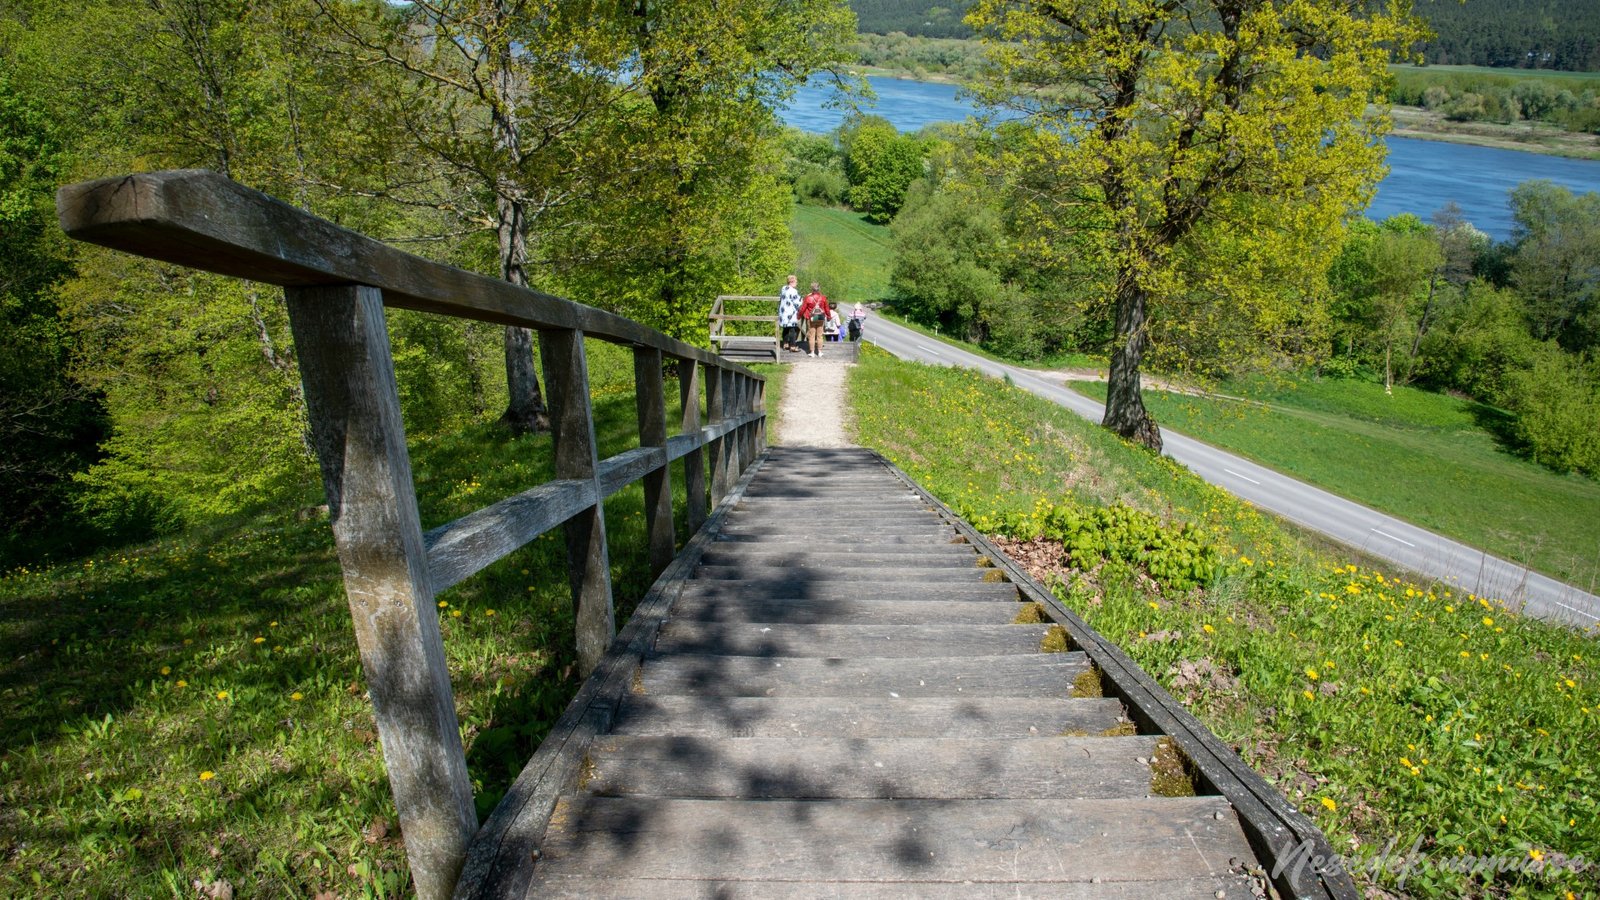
(354, 408)
(761, 407)
(694, 462)
(566, 377)
(717, 409)
(650, 399)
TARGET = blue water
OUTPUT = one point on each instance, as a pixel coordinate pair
(1423, 175)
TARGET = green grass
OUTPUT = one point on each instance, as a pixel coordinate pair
(849, 256)
(193, 708)
(1427, 458)
(1385, 710)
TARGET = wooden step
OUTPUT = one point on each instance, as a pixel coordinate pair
(932, 536)
(844, 612)
(853, 547)
(1030, 841)
(875, 572)
(780, 587)
(866, 717)
(843, 641)
(1022, 675)
(587, 887)
(819, 555)
(793, 768)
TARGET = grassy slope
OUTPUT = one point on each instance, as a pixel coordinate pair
(192, 708)
(1383, 709)
(1424, 457)
(849, 256)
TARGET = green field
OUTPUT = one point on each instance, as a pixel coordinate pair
(849, 256)
(1385, 710)
(1577, 79)
(1427, 458)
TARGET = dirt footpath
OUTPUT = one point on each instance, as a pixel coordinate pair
(813, 412)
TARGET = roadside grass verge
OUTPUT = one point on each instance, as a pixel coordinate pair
(193, 709)
(1430, 459)
(1390, 712)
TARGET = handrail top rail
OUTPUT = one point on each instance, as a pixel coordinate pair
(764, 297)
(204, 220)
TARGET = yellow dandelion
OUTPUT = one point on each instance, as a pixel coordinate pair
(297, 696)
(444, 604)
(1569, 682)
(1308, 695)
(166, 670)
(1535, 854)
(182, 683)
(455, 613)
(1208, 629)
(222, 695)
(259, 640)
(1311, 674)
(207, 775)
(488, 612)
(1154, 605)
(1329, 805)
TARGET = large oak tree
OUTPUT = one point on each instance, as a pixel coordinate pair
(1204, 153)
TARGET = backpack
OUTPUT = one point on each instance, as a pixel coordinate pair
(818, 316)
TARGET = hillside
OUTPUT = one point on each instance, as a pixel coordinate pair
(1543, 34)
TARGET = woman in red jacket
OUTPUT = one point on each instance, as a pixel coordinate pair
(814, 315)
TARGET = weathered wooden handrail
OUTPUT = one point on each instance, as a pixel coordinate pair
(337, 284)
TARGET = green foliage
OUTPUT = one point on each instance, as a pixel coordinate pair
(947, 261)
(1479, 344)
(1557, 403)
(918, 57)
(1556, 263)
(881, 164)
(814, 168)
(49, 425)
(1179, 557)
(204, 401)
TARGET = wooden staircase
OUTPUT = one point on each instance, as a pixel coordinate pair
(840, 703)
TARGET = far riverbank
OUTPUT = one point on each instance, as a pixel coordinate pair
(1409, 122)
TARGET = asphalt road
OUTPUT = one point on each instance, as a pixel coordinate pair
(1376, 534)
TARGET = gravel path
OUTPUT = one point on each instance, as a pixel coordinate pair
(813, 412)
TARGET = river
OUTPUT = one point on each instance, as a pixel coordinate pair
(1423, 175)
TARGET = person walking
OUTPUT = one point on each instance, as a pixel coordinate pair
(789, 315)
(814, 312)
(858, 322)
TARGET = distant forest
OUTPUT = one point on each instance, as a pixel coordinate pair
(1529, 34)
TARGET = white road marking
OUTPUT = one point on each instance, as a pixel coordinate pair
(1586, 615)
(927, 350)
(1392, 537)
(1245, 477)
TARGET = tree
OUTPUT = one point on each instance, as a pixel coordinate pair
(494, 102)
(1202, 149)
(1556, 262)
(50, 424)
(697, 206)
(881, 164)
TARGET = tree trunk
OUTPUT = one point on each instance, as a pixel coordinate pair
(525, 410)
(1125, 412)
